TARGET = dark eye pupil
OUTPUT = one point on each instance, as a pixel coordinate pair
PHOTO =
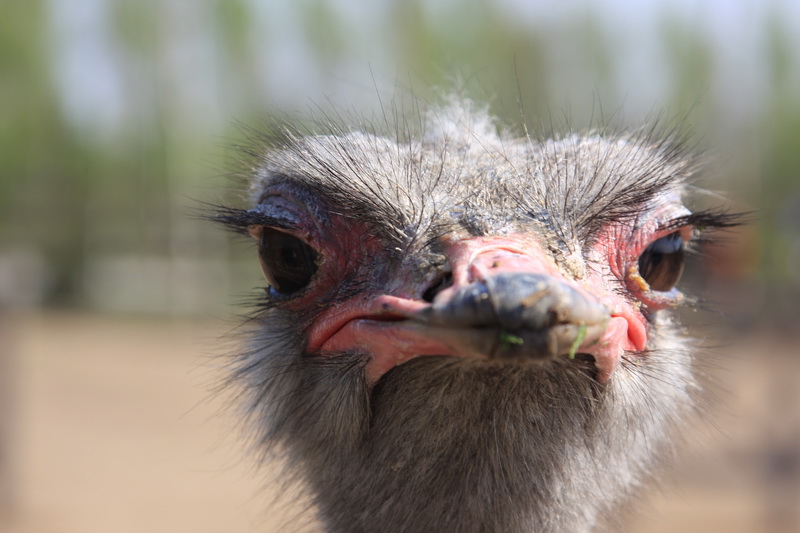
(661, 264)
(287, 262)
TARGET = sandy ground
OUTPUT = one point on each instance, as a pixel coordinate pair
(111, 426)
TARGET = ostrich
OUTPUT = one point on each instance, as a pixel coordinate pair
(464, 330)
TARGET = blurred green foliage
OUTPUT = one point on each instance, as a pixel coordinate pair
(104, 204)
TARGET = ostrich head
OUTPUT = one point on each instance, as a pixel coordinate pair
(468, 331)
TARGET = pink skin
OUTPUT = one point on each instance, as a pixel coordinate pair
(376, 324)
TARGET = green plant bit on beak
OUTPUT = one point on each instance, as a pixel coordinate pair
(507, 339)
(578, 341)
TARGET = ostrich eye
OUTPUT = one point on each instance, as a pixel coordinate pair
(287, 262)
(661, 263)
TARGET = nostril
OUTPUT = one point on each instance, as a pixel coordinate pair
(438, 286)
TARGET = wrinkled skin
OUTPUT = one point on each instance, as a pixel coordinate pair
(474, 348)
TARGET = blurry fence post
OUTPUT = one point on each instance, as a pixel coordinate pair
(6, 391)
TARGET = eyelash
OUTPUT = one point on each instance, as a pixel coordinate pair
(239, 220)
(704, 227)
(705, 220)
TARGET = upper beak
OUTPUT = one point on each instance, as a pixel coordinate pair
(515, 315)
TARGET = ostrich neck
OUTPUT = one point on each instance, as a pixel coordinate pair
(534, 449)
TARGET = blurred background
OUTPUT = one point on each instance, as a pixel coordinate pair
(117, 121)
